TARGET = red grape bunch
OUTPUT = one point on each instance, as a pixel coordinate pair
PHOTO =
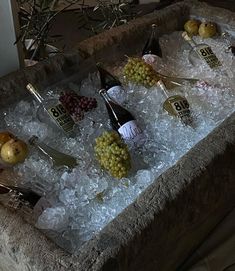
(76, 105)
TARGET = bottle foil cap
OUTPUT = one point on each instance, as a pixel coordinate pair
(186, 36)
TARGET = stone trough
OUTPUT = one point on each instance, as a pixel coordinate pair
(172, 216)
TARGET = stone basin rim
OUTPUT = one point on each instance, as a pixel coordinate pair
(122, 231)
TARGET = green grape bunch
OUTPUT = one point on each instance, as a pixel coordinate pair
(112, 154)
(138, 71)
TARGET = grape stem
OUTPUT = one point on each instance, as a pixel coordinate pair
(178, 80)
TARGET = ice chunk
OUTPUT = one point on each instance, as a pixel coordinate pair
(36, 128)
(53, 218)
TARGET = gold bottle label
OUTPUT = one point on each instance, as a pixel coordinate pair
(177, 105)
(208, 55)
(61, 116)
(181, 107)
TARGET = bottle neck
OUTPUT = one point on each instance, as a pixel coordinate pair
(107, 80)
(153, 33)
(108, 100)
(227, 38)
(101, 74)
(103, 93)
(35, 93)
(190, 41)
(163, 88)
(17, 196)
(4, 189)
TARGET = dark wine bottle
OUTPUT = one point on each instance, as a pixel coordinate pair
(152, 48)
(111, 84)
(122, 120)
(27, 202)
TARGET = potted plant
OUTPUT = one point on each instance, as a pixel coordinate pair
(36, 18)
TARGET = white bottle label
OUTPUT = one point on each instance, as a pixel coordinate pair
(208, 55)
(118, 94)
(61, 117)
(150, 58)
(131, 131)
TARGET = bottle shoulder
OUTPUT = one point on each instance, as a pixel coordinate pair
(152, 47)
(50, 102)
(200, 46)
(175, 97)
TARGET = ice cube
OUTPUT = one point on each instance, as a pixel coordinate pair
(55, 218)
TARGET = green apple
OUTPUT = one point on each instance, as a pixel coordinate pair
(191, 27)
(207, 30)
(14, 151)
(4, 137)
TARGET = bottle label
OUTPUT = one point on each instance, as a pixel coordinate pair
(117, 93)
(61, 117)
(181, 107)
(149, 58)
(14, 201)
(131, 131)
(208, 55)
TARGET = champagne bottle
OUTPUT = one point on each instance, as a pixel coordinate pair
(201, 53)
(176, 105)
(52, 112)
(58, 159)
(230, 42)
(24, 200)
(122, 120)
(111, 84)
(152, 48)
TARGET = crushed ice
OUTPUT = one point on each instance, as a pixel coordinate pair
(87, 198)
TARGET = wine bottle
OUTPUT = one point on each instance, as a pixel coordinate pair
(176, 105)
(58, 159)
(230, 41)
(24, 200)
(122, 120)
(152, 48)
(111, 84)
(201, 53)
(52, 112)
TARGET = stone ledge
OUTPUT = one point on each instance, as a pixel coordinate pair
(129, 38)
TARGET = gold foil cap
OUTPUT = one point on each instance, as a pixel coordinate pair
(161, 84)
(34, 92)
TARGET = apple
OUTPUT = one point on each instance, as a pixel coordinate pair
(207, 30)
(14, 151)
(191, 27)
(4, 137)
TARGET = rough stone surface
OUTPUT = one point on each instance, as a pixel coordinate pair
(129, 38)
(12, 86)
(172, 216)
